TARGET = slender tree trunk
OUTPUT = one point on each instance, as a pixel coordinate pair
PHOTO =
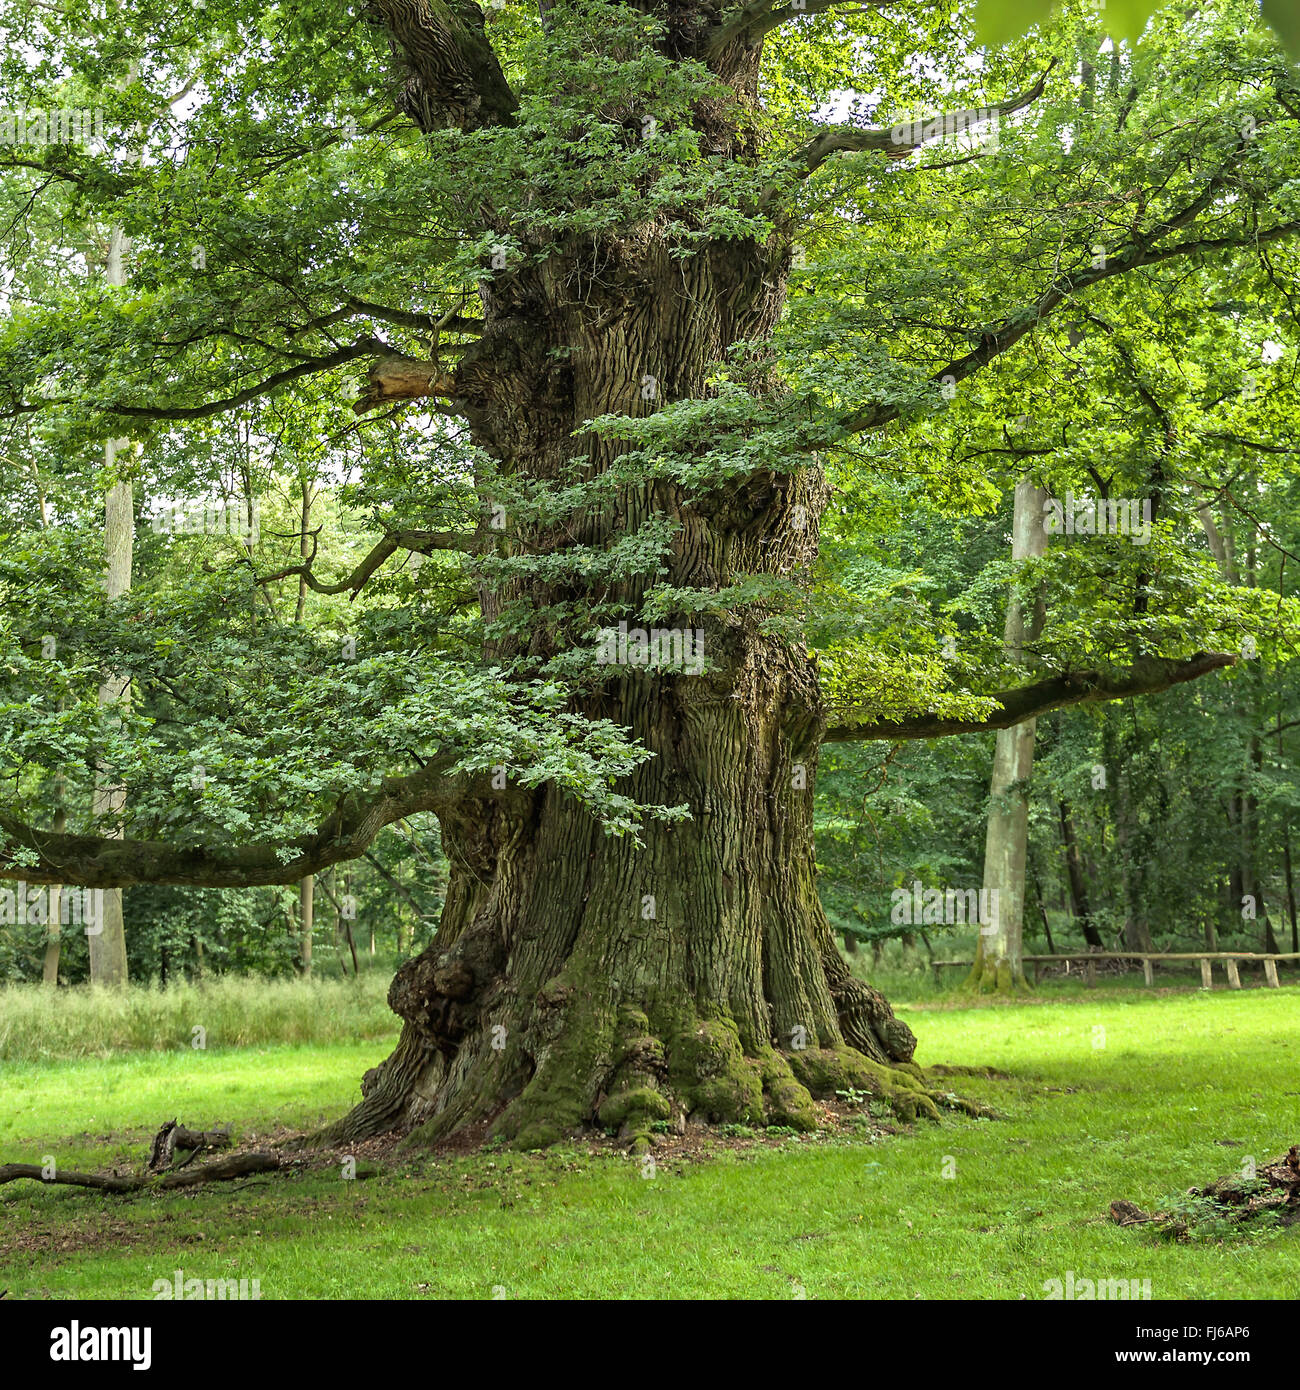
(1042, 912)
(53, 943)
(108, 944)
(1118, 762)
(1287, 876)
(1290, 888)
(305, 499)
(1075, 879)
(1252, 885)
(1236, 883)
(306, 905)
(53, 930)
(999, 963)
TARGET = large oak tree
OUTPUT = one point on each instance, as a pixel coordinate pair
(560, 244)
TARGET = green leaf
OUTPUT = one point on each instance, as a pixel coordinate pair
(1126, 19)
(1284, 16)
(999, 21)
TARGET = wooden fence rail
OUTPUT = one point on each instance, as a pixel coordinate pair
(1090, 959)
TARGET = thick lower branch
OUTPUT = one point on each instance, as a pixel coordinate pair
(93, 861)
(1145, 677)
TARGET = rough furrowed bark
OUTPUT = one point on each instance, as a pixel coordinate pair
(578, 979)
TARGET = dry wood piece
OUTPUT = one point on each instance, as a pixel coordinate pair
(173, 1136)
(401, 378)
(219, 1170)
(1275, 1190)
(1127, 1214)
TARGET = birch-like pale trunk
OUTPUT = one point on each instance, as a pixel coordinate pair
(999, 956)
(108, 945)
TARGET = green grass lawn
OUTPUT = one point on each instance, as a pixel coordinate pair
(1106, 1094)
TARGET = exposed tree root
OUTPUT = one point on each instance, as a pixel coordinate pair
(645, 1083)
(990, 976)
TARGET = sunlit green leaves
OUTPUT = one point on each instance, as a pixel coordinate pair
(1000, 21)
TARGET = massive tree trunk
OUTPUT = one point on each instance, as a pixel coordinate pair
(577, 977)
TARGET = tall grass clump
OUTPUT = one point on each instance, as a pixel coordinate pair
(38, 1023)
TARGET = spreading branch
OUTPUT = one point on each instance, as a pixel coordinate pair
(310, 366)
(1147, 676)
(900, 141)
(392, 377)
(426, 542)
(1141, 251)
(93, 861)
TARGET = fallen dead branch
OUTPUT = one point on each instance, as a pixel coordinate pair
(219, 1170)
(162, 1171)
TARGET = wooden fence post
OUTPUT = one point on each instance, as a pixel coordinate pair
(1207, 979)
(1270, 972)
(1148, 973)
(1234, 980)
